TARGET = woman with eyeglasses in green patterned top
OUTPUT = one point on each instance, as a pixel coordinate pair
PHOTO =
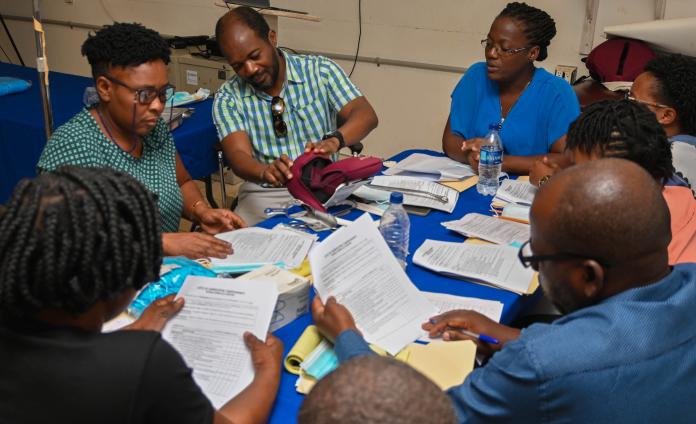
(125, 131)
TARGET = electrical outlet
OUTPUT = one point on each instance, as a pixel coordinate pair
(568, 73)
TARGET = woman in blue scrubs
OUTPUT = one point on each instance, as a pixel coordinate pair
(531, 107)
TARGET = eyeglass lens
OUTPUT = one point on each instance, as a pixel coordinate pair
(147, 95)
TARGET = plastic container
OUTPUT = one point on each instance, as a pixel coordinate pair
(490, 163)
(395, 226)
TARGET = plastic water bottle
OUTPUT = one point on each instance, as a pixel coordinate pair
(395, 227)
(490, 162)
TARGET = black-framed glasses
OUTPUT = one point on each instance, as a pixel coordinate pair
(488, 45)
(277, 110)
(147, 95)
(529, 259)
(643, 102)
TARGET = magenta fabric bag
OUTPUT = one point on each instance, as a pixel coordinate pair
(315, 177)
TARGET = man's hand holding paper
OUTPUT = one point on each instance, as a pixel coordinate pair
(356, 266)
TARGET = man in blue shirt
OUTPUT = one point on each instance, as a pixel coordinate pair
(625, 351)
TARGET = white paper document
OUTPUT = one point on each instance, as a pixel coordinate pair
(515, 191)
(355, 265)
(418, 192)
(256, 245)
(492, 264)
(439, 168)
(208, 331)
(448, 302)
(490, 228)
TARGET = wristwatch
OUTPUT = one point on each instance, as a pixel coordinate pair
(338, 135)
(543, 180)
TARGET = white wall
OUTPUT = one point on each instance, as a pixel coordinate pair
(412, 104)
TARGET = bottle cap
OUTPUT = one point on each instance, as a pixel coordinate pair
(396, 197)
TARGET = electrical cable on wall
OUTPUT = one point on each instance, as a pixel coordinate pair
(357, 50)
(14, 46)
(6, 55)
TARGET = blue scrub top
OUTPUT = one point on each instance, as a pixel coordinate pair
(541, 115)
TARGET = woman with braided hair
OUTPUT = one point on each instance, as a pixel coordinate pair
(75, 245)
(629, 130)
(125, 131)
(667, 87)
(531, 107)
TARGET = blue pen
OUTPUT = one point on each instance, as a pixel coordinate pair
(482, 337)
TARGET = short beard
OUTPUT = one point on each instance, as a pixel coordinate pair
(275, 71)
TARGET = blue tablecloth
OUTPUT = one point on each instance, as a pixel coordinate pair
(22, 127)
(422, 228)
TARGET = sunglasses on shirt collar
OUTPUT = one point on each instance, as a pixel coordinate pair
(277, 110)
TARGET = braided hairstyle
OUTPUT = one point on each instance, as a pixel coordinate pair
(676, 86)
(623, 129)
(75, 236)
(122, 45)
(539, 27)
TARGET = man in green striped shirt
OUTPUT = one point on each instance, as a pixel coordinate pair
(278, 106)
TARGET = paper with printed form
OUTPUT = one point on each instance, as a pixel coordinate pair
(439, 168)
(448, 302)
(495, 265)
(490, 228)
(515, 191)
(262, 246)
(355, 265)
(418, 192)
(208, 331)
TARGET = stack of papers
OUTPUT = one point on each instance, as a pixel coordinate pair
(445, 363)
(416, 191)
(491, 264)
(355, 265)
(490, 228)
(515, 191)
(254, 247)
(432, 168)
(208, 331)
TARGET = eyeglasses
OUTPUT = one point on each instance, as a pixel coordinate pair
(147, 95)
(529, 259)
(277, 109)
(488, 45)
(643, 102)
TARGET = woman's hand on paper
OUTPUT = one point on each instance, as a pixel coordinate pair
(195, 245)
(215, 221)
(332, 318)
(155, 316)
(447, 326)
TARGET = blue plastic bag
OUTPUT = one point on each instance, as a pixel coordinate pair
(9, 85)
(169, 283)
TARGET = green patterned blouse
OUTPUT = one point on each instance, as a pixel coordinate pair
(81, 142)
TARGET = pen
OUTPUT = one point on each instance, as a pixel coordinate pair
(482, 337)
